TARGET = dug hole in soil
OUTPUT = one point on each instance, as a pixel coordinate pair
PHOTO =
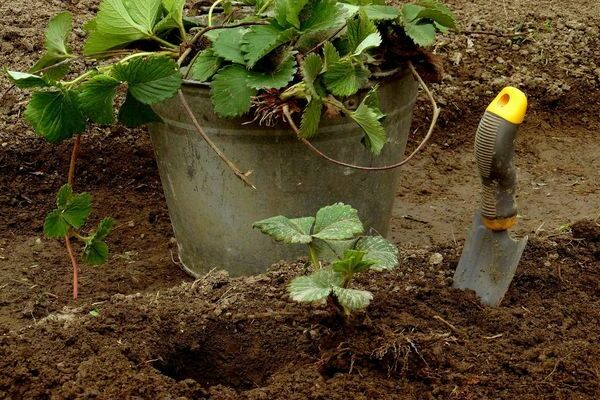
(156, 334)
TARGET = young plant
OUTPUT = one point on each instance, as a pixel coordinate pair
(66, 221)
(337, 252)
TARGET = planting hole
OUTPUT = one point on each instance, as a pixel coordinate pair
(226, 358)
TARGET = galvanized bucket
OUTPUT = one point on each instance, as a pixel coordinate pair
(212, 211)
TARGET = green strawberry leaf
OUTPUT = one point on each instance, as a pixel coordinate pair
(437, 12)
(353, 262)
(314, 287)
(95, 251)
(443, 19)
(332, 250)
(78, 209)
(373, 40)
(174, 17)
(52, 67)
(323, 15)
(260, 40)
(345, 78)
(63, 196)
(330, 54)
(410, 12)
(372, 101)
(352, 299)
(337, 222)
(55, 225)
(368, 119)
(287, 230)
(359, 29)
(230, 93)
(287, 12)
(150, 80)
(134, 113)
(55, 115)
(25, 80)
(380, 250)
(423, 34)
(72, 211)
(57, 34)
(104, 228)
(96, 97)
(205, 66)
(311, 118)
(228, 44)
(313, 65)
(381, 12)
(282, 75)
(120, 22)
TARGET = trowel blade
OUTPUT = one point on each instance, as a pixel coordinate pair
(488, 262)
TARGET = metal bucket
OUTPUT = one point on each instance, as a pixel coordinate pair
(212, 211)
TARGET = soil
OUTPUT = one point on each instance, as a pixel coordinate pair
(243, 338)
(158, 335)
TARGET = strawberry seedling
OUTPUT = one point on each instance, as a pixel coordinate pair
(337, 252)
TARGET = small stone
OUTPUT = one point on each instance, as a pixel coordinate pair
(131, 224)
(436, 259)
(38, 241)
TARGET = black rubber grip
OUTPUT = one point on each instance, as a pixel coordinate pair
(494, 150)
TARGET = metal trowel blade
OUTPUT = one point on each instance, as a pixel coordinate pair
(488, 262)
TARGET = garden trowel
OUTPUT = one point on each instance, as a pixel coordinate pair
(490, 257)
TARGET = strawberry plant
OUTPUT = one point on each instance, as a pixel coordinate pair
(272, 60)
(337, 252)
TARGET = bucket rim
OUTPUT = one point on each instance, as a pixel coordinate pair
(401, 73)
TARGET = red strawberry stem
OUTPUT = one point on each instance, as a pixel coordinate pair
(70, 178)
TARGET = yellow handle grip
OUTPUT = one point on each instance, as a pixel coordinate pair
(510, 105)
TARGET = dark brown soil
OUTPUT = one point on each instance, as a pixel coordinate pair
(224, 338)
(160, 336)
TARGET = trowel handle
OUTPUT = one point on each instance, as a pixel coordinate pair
(494, 150)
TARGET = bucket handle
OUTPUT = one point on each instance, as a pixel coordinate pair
(434, 118)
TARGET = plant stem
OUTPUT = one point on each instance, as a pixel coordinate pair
(164, 42)
(346, 281)
(79, 78)
(211, 10)
(313, 256)
(145, 53)
(434, 118)
(333, 35)
(265, 6)
(243, 176)
(80, 237)
(74, 154)
(70, 179)
(75, 267)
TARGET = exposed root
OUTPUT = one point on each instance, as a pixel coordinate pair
(269, 108)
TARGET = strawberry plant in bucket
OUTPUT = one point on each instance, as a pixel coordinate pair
(270, 63)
